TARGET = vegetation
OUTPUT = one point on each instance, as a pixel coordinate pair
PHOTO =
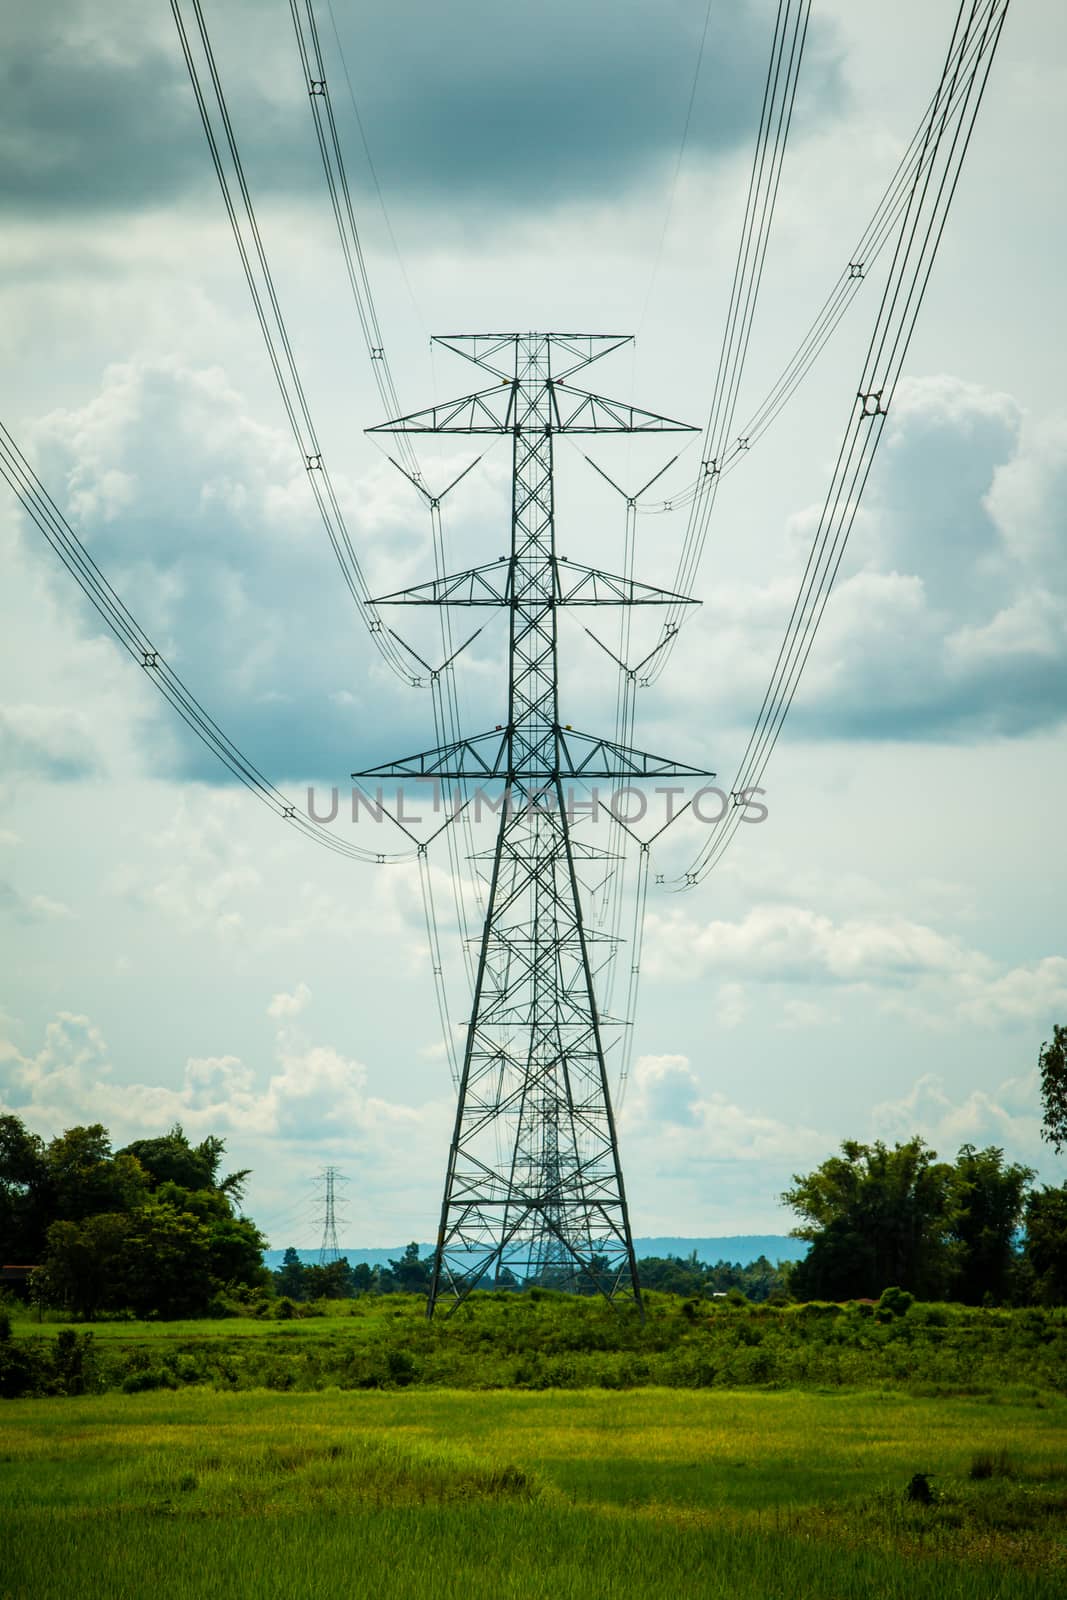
(580, 1497)
(151, 1228)
(549, 1340)
(871, 1440)
(1052, 1067)
(876, 1216)
(300, 1283)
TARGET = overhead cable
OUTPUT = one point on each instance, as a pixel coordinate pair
(853, 275)
(946, 139)
(250, 247)
(51, 522)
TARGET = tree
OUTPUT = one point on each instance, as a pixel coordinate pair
(24, 1212)
(331, 1281)
(410, 1275)
(1052, 1065)
(84, 1267)
(1046, 1244)
(289, 1279)
(874, 1217)
(986, 1206)
(172, 1159)
(84, 1178)
(152, 1228)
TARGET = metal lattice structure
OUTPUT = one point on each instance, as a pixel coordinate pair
(534, 1189)
(329, 1249)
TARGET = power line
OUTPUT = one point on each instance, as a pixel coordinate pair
(251, 250)
(922, 226)
(779, 98)
(57, 531)
(967, 52)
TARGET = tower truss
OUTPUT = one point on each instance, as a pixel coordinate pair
(534, 1188)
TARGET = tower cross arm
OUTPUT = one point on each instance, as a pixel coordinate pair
(578, 411)
(562, 753)
(496, 584)
(484, 411)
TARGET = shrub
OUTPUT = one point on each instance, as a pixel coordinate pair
(897, 1302)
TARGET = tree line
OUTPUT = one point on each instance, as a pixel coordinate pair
(974, 1230)
(152, 1228)
(155, 1228)
(306, 1282)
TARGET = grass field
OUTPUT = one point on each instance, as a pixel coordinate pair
(557, 1342)
(582, 1495)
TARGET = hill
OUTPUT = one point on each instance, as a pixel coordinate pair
(741, 1248)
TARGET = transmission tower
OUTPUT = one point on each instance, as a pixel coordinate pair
(534, 1188)
(329, 1249)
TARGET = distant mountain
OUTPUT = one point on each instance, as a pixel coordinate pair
(742, 1248)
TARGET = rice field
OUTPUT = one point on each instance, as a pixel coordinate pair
(571, 1495)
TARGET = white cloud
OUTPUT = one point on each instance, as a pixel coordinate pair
(46, 742)
(289, 1005)
(30, 908)
(1031, 992)
(667, 1117)
(794, 944)
(1008, 1116)
(911, 969)
(313, 1094)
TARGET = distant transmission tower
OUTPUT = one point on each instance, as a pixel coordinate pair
(534, 1189)
(329, 1249)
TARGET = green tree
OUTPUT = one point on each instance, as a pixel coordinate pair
(330, 1281)
(1046, 1244)
(24, 1210)
(115, 1230)
(166, 1267)
(986, 1201)
(1052, 1065)
(409, 1274)
(874, 1216)
(364, 1278)
(172, 1159)
(84, 1178)
(85, 1264)
(289, 1279)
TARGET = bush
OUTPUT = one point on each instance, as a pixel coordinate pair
(897, 1302)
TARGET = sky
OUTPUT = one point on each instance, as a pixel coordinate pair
(884, 955)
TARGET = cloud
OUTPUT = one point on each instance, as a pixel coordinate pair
(1023, 993)
(667, 1110)
(46, 742)
(289, 1005)
(1009, 1117)
(35, 908)
(949, 622)
(911, 969)
(203, 873)
(535, 106)
(793, 944)
(202, 519)
(313, 1094)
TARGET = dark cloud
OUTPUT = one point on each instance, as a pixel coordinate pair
(511, 106)
(954, 631)
(196, 515)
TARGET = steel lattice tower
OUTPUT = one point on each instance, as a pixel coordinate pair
(329, 1249)
(534, 1188)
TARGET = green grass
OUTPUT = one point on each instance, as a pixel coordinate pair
(565, 1342)
(583, 1495)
